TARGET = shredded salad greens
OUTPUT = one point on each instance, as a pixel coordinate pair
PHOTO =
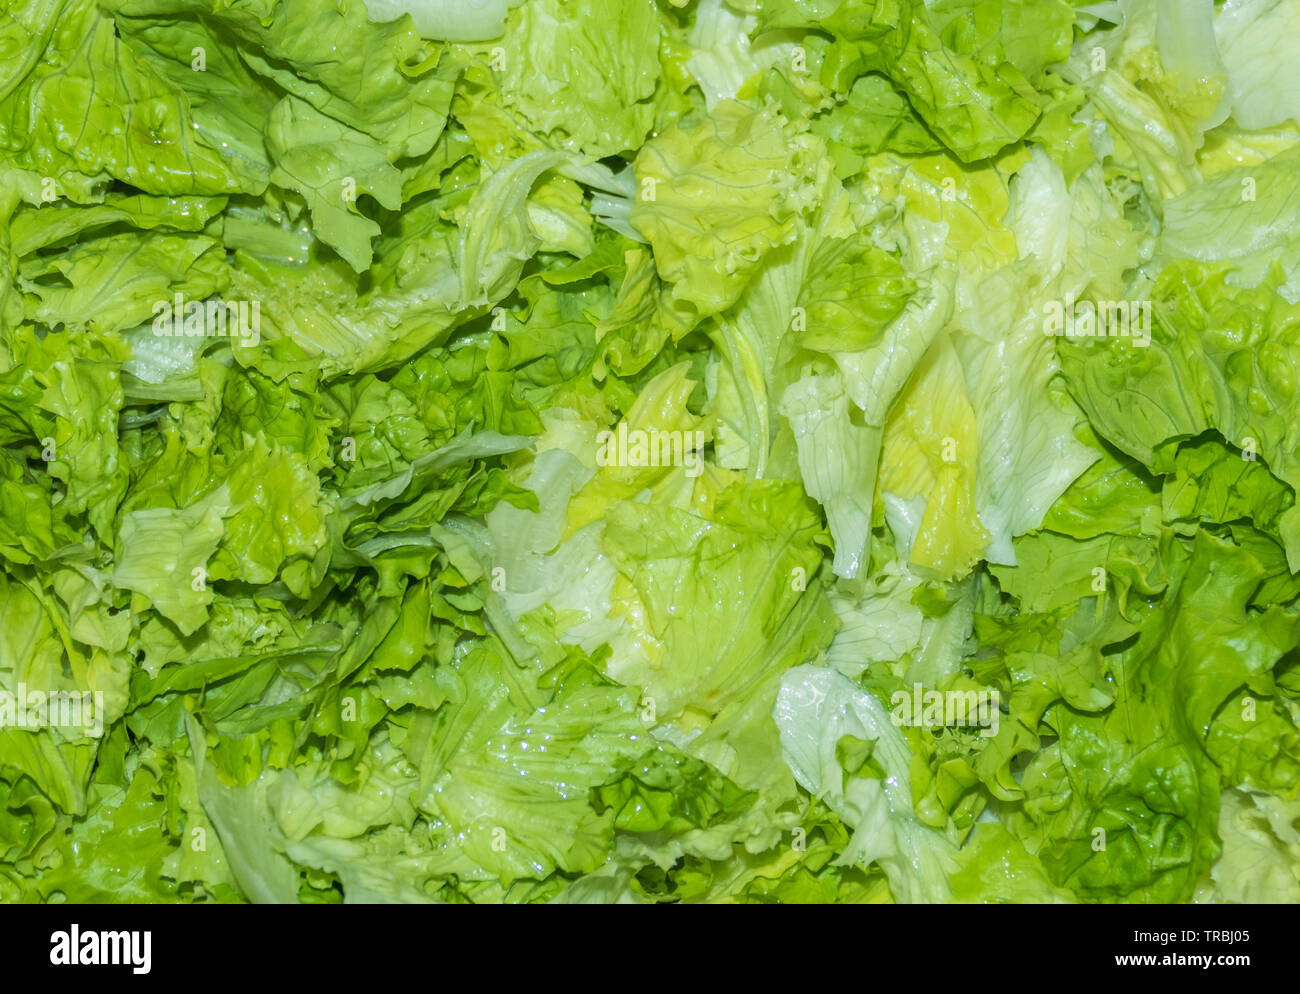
(787, 451)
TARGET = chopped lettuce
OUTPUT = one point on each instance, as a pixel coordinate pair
(657, 451)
